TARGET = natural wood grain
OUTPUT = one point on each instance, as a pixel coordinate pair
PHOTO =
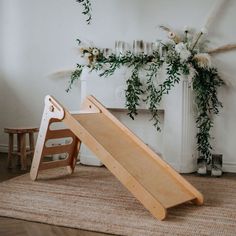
(31, 141)
(152, 155)
(21, 144)
(135, 160)
(129, 181)
(62, 133)
(53, 113)
(10, 150)
(152, 181)
(20, 130)
(23, 151)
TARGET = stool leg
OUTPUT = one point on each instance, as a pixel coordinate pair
(18, 150)
(31, 141)
(23, 152)
(10, 150)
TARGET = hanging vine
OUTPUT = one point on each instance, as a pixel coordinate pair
(87, 9)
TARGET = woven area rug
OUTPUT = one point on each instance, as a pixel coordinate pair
(92, 199)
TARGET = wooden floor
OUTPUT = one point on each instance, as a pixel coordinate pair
(12, 227)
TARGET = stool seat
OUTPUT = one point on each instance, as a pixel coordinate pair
(21, 130)
(22, 152)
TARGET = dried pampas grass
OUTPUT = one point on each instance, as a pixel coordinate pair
(225, 48)
(61, 74)
(203, 60)
(164, 28)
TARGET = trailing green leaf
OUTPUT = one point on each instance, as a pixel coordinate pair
(205, 86)
(87, 9)
(75, 76)
(133, 92)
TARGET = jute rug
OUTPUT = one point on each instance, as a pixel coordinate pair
(92, 199)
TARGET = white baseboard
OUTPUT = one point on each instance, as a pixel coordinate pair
(227, 166)
(89, 160)
(183, 169)
(4, 148)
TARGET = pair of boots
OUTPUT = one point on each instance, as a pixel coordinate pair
(216, 165)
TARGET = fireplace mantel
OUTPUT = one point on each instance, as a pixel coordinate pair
(176, 143)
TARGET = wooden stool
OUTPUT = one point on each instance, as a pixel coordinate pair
(22, 152)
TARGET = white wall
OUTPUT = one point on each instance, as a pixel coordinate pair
(37, 38)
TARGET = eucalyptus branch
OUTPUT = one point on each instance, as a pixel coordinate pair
(87, 9)
(75, 76)
(134, 85)
(205, 87)
(133, 92)
(152, 93)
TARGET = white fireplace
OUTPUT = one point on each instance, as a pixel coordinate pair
(175, 143)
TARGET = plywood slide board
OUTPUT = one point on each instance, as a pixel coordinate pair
(143, 172)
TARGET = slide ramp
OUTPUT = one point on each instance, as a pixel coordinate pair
(151, 180)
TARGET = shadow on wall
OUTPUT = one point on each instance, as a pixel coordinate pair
(14, 112)
(62, 74)
(226, 69)
(225, 126)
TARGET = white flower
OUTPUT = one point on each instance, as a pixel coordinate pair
(95, 52)
(184, 53)
(179, 47)
(191, 75)
(204, 30)
(186, 29)
(192, 72)
(171, 35)
(203, 60)
(174, 37)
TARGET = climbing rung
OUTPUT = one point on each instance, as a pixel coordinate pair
(57, 149)
(61, 133)
(54, 164)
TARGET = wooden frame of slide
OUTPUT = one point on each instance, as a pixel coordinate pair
(152, 181)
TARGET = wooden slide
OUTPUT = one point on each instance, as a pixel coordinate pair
(152, 181)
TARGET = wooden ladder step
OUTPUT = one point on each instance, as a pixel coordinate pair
(61, 133)
(57, 149)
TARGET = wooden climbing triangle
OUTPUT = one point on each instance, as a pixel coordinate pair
(152, 181)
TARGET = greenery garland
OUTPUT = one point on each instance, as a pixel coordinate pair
(181, 56)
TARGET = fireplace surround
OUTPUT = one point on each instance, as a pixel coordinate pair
(176, 142)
